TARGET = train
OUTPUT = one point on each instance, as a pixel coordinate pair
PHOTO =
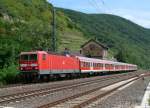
(45, 65)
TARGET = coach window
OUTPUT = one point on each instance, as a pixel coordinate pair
(93, 64)
(44, 56)
(101, 65)
(98, 65)
(88, 64)
(82, 64)
(111, 65)
(107, 66)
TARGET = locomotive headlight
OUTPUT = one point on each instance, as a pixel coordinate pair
(23, 65)
(34, 65)
(36, 68)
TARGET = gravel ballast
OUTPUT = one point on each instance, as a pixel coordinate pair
(126, 98)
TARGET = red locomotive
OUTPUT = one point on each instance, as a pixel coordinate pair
(41, 64)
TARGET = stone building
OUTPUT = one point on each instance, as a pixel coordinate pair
(94, 49)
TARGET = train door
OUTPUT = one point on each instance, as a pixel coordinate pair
(104, 66)
(44, 64)
(91, 66)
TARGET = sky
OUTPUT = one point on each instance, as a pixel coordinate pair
(137, 11)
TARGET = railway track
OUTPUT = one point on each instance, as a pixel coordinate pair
(41, 86)
(18, 97)
(83, 99)
(22, 96)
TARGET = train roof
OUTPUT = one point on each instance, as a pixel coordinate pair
(101, 61)
(33, 52)
(86, 59)
(43, 52)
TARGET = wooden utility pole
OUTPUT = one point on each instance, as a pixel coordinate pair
(53, 40)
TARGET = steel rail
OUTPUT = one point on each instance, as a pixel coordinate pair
(52, 104)
(19, 96)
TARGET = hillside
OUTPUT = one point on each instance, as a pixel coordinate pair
(27, 25)
(127, 41)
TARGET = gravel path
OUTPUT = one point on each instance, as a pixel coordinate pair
(127, 98)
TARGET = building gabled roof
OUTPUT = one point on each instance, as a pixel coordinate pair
(92, 40)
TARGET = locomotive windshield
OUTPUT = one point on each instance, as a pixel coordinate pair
(29, 57)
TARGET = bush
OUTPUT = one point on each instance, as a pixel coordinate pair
(149, 101)
(8, 74)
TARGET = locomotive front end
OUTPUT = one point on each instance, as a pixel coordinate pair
(28, 65)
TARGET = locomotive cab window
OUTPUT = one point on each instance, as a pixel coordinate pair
(24, 57)
(28, 57)
(33, 57)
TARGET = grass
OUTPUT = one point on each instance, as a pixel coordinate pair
(71, 39)
(149, 100)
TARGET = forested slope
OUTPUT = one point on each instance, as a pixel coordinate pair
(26, 25)
(127, 41)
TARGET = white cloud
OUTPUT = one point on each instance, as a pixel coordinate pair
(139, 17)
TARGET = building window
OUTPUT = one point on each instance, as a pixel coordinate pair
(92, 47)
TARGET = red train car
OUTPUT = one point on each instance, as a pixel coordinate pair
(41, 64)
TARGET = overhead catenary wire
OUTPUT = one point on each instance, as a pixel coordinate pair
(93, 4)
(103, 2)
(106, 6)
(98, 7)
